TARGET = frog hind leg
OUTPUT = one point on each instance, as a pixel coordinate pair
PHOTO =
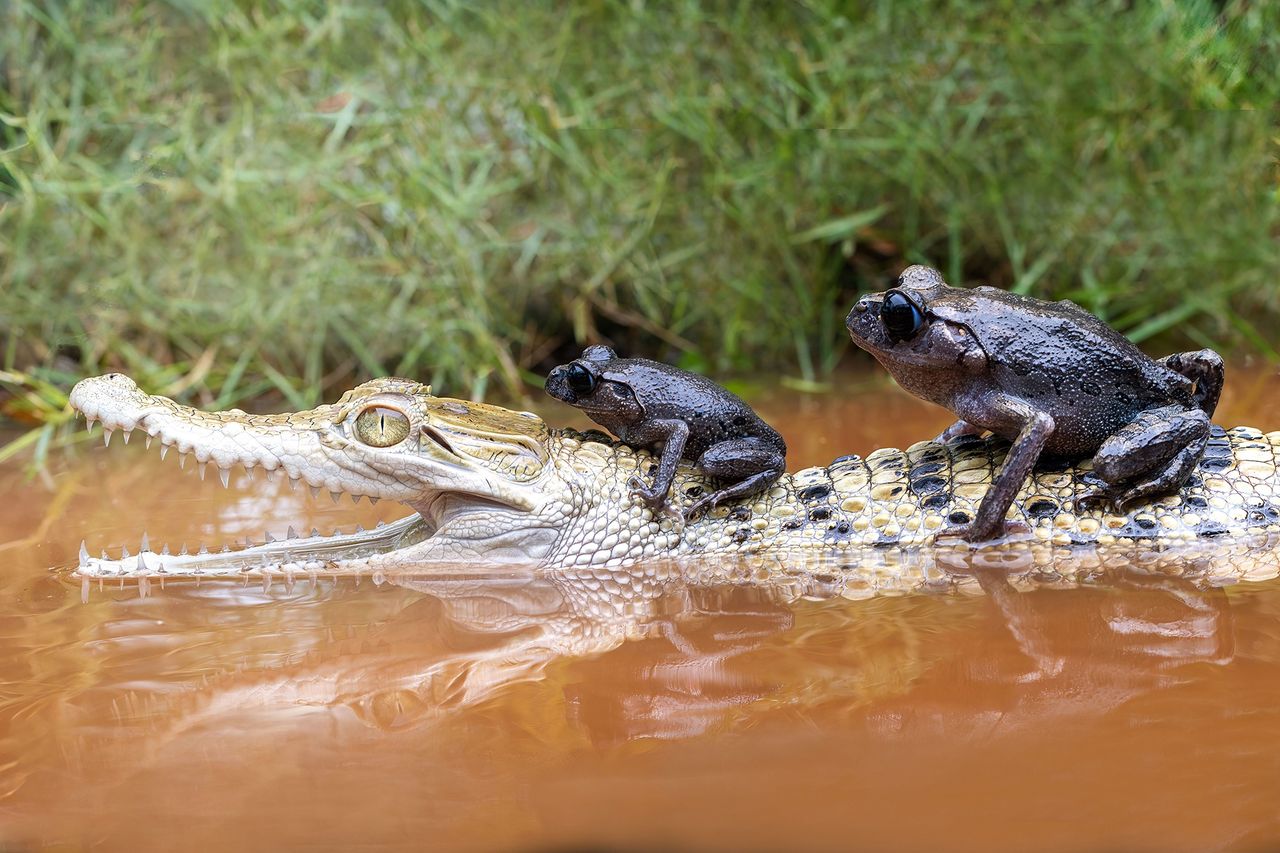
(1155, 454)
(1206, 370)
(751, 463)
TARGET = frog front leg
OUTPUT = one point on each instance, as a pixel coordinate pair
(1206, 370)
(1153, 455)
(752, 463)
(673, 434)
(1006, 413)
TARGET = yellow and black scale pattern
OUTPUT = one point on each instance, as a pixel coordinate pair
(902, 498)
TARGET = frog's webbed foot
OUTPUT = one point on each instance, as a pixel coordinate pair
(973, 533)
(654, 499)
(959, 429)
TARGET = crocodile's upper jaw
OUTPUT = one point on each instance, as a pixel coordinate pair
(476, 475)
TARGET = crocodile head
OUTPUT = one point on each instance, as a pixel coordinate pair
(480, 478)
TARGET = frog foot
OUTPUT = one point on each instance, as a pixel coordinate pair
(655, 501)
(701, 505)
(1095, 497)
(968, 532)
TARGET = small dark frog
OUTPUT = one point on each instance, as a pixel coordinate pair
(649, 404)
(1049, 377)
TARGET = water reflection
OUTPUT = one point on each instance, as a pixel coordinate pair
(1091, 707)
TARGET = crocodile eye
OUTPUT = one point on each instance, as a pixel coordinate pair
(580, 380)
(380, 427)
(901, 318)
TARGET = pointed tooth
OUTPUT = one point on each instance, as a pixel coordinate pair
(224, 474)
(269, 538)
(124, 554)
(374, 500)
(293, 483)
(355, 499)
(335, 496)
(164, 550)
(164, 451)
(182, 552)
(271, 475)
(359, 528)
(106, 436)
(226, 549)
(142, 564)
(292, 534)
(204, 549)
(84, 555)
(382, 523)
(148, 444)
(182, 459)
(314, 533)
(204, 469)
(125, 437)
(145, 544)
(105, 558)
(315, 492)
(90, 420)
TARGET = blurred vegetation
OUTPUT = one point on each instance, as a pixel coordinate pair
(244, 203)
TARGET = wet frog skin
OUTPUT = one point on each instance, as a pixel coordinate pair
(1049, 377)
(648, 404)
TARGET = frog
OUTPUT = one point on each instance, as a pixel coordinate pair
(649, 404)
(1051, 378)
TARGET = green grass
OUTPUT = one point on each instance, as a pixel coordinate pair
(241, 203)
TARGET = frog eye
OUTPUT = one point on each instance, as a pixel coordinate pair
(901, 318)
(581, 381)
(378, 426)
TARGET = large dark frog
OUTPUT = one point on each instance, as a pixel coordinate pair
(649, 404)
(1049, 377)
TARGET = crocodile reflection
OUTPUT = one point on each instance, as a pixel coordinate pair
(660, 654)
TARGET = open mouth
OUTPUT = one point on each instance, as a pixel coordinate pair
(286, 556)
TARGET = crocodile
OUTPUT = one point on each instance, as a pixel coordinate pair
(491, 486)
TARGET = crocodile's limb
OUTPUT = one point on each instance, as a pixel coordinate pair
(492, 486)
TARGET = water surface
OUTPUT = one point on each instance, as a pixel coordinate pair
(628, 711)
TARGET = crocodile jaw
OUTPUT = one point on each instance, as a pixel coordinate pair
(464, 512)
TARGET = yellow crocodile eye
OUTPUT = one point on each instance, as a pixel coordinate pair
(379, 427)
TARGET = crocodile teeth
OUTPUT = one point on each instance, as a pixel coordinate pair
(126, 435)
(84, 554)
(355, 499)
(148, 444)
(182, 459)
(269, 537)
(293, 483)
(124, 553)
(335, 496)
(164, 451)
(106, 436)
(373, 500)
(315, 492)
(203, 469)
(271, 475)
(145, 544)
(292, 534)
(224, 474)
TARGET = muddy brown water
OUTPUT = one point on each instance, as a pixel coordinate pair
(503, 713)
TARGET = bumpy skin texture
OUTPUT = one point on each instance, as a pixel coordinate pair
(495, 487)
(1051, 378)
(689, 417)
